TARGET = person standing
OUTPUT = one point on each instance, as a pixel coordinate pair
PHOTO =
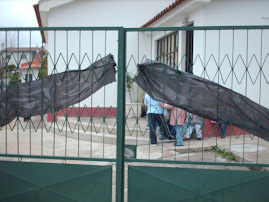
(155, 115)
(223, 130)
(177, 120)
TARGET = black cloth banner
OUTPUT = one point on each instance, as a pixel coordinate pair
(202, 97)
(56, 91)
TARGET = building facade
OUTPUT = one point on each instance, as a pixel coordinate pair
(18, 58)
(211, 54)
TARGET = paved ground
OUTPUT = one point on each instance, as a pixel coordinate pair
(97, 139)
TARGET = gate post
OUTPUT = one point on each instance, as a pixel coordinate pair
(121, 115)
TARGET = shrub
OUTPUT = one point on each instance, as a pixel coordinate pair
(11, 67)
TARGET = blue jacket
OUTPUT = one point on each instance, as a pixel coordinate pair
(153, 106)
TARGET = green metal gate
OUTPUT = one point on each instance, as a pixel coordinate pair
(214, 168)
(50, 150)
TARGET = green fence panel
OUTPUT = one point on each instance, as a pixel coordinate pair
(22, 181)
(187, 184)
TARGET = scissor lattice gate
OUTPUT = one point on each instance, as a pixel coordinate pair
(108, 131)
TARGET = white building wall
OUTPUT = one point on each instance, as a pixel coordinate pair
(33, 71)
(97, 44)
(228, 48)
(16, 57)
(239, 48)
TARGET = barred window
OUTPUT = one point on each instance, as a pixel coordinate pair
(167, 50)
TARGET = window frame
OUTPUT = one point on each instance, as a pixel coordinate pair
(167, 49)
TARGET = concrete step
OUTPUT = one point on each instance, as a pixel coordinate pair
(99, 137)
(108, 126)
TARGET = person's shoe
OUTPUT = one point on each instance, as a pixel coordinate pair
(222, 137)
(170, 139)
(199, 138)
(177, 144)
(153, 145)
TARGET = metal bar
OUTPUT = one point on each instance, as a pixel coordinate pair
(246, 69)
(195, 28)
(66, 118)
(57, 28)
(80, 72)
(57, 157)
(218, 89)
(18, 131)
(54, 90)
(135, 29)
(91, 91)
(121, 115)
(196, 163)
(260, 93)
(104, 113)
(6, 68)
(232, 84)
(42, 80)
(137, 89)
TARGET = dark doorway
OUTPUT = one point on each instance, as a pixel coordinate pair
(189, 50)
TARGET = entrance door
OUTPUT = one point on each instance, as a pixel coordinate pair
(189, 50)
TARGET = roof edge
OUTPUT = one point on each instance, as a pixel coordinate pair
(36, 8)
(163, 12)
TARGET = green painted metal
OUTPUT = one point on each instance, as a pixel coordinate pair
(136, 174)
(58, 28)
(163, 161)
(65, 158)
(197, 28)
(54, 182)
(187, 184)
(121, 116)
(250, 27)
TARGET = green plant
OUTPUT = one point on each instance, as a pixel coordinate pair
(222, 152)
(11, 67)
(44, 69)
(129, 84)
(42, 73)
(14, 80)
(129, 80)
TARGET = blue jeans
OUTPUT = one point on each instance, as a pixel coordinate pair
(172, 130)
(147, 117)
(223, 129)
(179, 134)
(197, 128)
(154, 119)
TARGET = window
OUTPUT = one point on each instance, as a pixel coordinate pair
(167, 50)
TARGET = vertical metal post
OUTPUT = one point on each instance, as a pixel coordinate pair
(121, 115)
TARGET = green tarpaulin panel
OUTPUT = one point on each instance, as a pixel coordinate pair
(22, 181)
(185, 184)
